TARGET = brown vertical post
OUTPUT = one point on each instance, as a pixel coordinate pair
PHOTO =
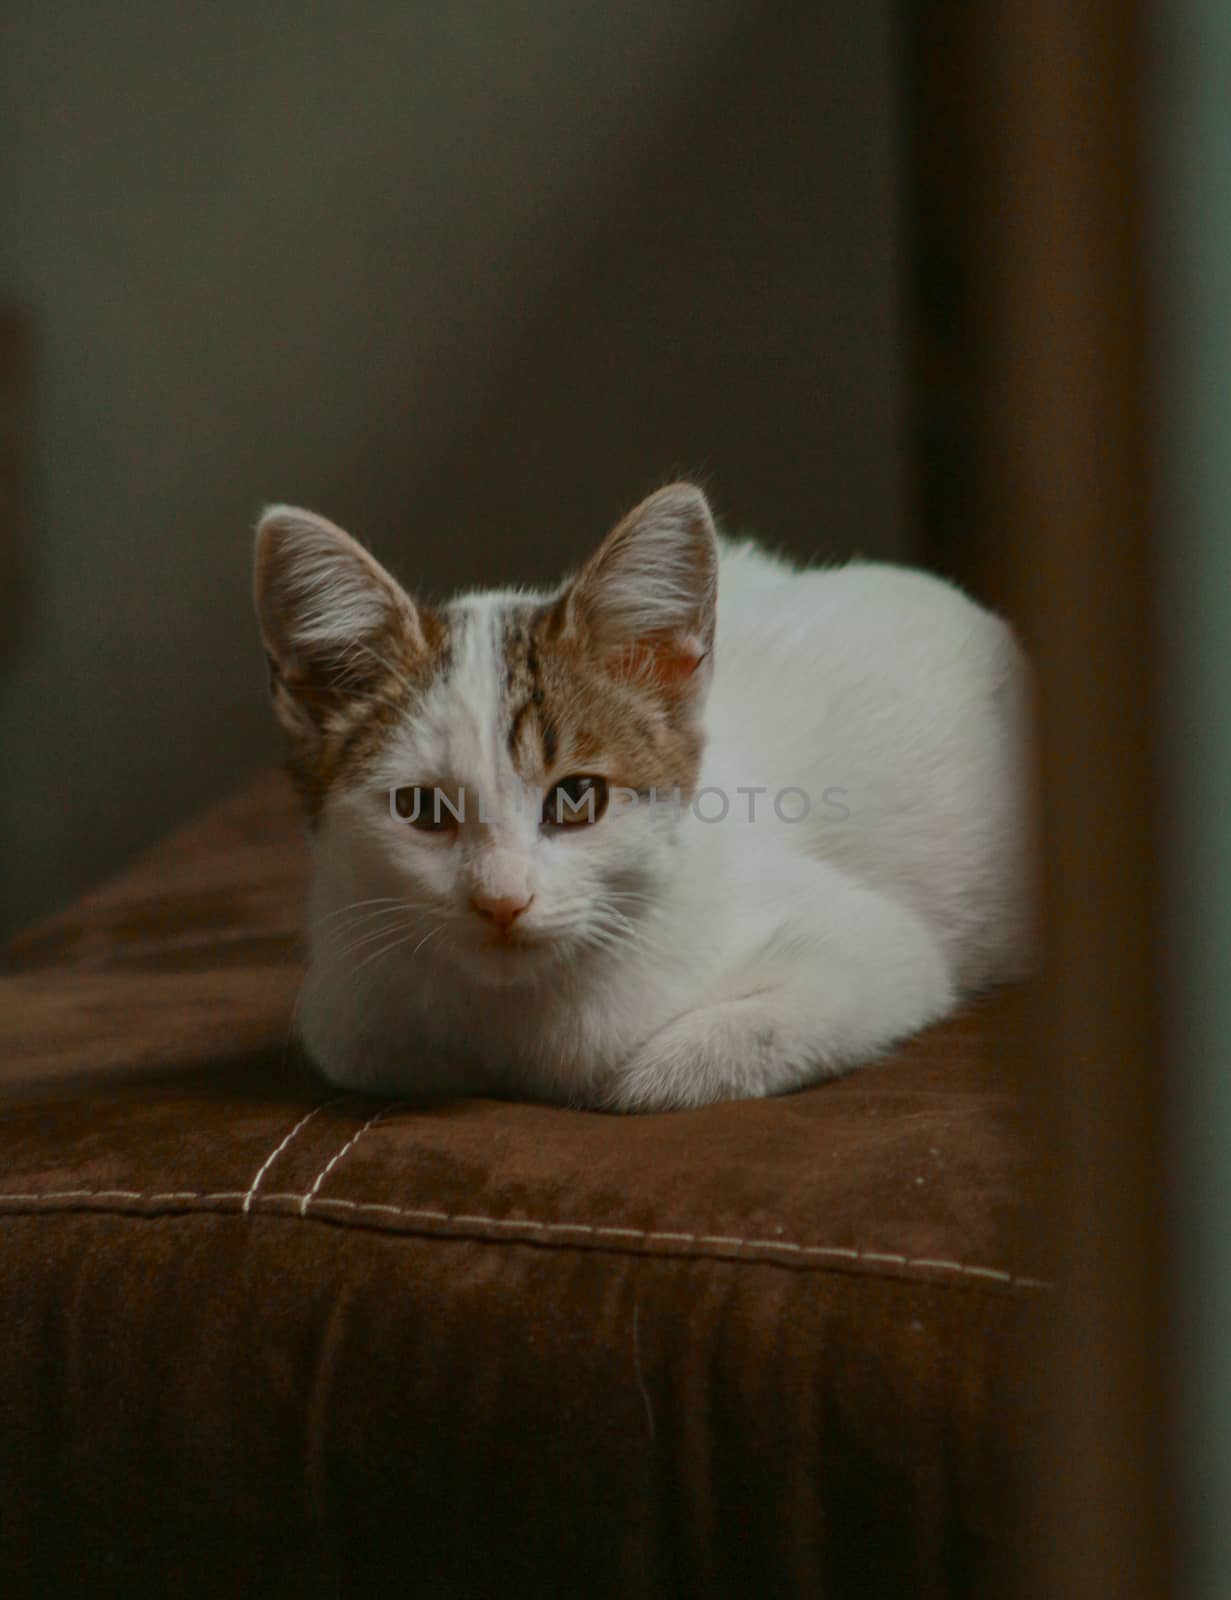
(1069, 475)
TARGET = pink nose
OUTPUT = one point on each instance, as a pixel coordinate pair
(503, 910)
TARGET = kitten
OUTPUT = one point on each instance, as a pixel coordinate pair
(693, 826)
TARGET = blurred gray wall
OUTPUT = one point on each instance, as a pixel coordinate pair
(469, 278)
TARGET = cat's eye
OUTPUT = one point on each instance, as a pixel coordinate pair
(429, 809)
(575, 802)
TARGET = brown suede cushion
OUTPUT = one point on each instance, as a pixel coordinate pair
(257, 1337)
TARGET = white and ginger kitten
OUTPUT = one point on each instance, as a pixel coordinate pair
(693, 826)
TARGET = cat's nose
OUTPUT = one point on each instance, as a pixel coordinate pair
(503, 910)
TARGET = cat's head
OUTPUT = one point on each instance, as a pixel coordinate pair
(546, 720)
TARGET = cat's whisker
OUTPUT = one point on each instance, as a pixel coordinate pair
(336, 940)
(609, 931)
(431, 934)
(290, 1030)
(341, 930)
(629, 897)
(643, 928)
(633, 895)
(372, 936)
(376, 900)
(627, 935)
(356, 918)
(605, 938)
(385, 950)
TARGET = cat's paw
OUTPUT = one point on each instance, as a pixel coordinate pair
(737, 1050)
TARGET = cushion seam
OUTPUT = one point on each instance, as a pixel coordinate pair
(502, 1230)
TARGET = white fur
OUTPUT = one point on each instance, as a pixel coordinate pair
(667, 961)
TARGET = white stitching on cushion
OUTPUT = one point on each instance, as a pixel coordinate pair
(459, 1219)
(278, 1149)
(333, 1160)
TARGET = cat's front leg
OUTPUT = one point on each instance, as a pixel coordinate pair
(821, 997)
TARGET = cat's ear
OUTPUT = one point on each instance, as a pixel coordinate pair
(334, 623)
(647, 597)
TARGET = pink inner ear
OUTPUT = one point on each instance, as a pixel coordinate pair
(668, 663)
